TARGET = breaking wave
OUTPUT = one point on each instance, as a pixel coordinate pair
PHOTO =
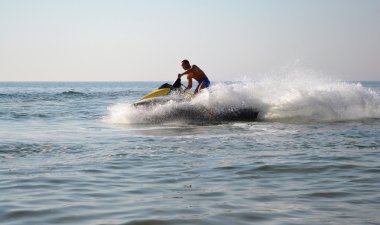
(299, 95)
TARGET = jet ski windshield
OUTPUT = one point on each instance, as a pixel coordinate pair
(177, 84)
(166, 85)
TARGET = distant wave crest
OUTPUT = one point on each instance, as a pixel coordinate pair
(72, 93)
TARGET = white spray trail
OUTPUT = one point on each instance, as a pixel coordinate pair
(298, 95)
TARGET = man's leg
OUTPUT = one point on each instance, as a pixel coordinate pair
(199, 87)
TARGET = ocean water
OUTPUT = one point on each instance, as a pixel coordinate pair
(80, 153)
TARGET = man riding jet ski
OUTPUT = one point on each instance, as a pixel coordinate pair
(194, 72)
(167, 92)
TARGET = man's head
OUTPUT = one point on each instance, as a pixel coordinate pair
(186, 64)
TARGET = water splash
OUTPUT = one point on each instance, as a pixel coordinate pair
(297, 95)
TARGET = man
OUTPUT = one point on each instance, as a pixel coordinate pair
(194, 72)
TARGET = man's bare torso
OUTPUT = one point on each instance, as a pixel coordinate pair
(197, 74)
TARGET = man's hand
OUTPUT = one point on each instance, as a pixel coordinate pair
(179, 75)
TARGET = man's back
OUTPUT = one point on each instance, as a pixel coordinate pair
(197, 73)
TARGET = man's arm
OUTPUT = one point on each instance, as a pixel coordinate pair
(186, 72)
(189, 84)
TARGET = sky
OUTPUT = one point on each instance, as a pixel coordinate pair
(146, 40)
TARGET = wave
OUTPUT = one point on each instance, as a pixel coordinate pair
(52, 96)
(72, 93)
(296, 96)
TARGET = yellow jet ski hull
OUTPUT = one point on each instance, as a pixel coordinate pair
(157, 93)
(163, 94)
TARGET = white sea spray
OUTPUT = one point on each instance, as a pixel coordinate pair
(295, 95)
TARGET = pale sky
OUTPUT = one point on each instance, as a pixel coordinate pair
(115, 40)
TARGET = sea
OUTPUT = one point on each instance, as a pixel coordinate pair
(81, 153)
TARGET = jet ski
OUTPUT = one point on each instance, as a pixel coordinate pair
(174, 92)
(163, 94)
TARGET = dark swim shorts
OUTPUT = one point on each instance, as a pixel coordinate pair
(205, 82)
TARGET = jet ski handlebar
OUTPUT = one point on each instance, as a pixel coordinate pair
(177, 83)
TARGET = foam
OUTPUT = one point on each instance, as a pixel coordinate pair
(296, 95)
